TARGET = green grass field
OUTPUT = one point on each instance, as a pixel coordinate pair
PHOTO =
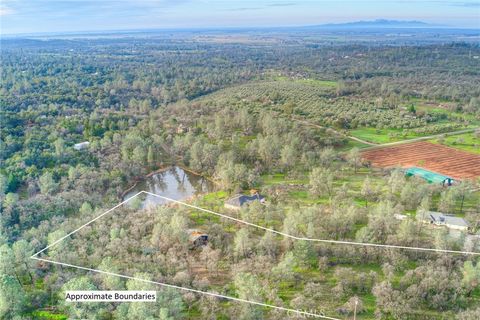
(381, 135)
(352, 144)
(467, 142)
(437, 109)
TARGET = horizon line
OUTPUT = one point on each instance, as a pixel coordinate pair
(326, 26)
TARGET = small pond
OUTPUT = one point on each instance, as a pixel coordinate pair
(174, 183)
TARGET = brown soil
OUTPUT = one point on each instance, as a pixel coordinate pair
(448, 161)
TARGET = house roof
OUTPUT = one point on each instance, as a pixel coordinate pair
(240, 199)
(439, 217)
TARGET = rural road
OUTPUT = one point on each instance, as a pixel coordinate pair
(388, 144)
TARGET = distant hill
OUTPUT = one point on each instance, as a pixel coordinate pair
(379, 23)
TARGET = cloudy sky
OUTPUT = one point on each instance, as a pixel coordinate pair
(29, 16)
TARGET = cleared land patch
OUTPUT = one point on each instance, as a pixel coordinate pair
(438, 158)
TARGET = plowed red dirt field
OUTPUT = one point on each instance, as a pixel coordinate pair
(434, 157)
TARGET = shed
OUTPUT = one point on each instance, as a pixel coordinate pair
(81, 145)
(240, 200)
(197, 238)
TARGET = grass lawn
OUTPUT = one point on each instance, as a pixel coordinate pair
(381, 136)
(428, 107)
(352, 144)
(47, 315)
(279, 178)
(467, 142)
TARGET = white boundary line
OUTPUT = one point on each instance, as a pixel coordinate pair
(305, 313)
(34, 256)
(86, 224)
(311, 239)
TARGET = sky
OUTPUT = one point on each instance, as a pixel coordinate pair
(34, 16)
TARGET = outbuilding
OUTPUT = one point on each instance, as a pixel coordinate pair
(81, 145)
(197, 238)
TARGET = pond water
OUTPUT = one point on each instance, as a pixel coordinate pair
(174, 183)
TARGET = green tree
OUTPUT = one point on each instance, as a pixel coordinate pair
(289, 107)
(111, 282)
(150, 155)
(471, 275)
(447, 200)
(86, 209)
(368, 191)
(327, 156)
(22, 251)
(321, 182)
(354, 158)
(288, 157)
(47, 184)
(7, 260)
(59, 147)
(268, 244)
(12, 297)
(463, 192)
(59, 247)
(285, 269)
(304, 252)
(396, 181)
(10, 200)
(3, 186)
(169, 302)
(81, 310)
(248, 288)
(242, 244)
(138, 155)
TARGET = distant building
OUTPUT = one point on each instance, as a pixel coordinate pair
(197, 238)
(449, 221)
(81, 145)
(240, 200)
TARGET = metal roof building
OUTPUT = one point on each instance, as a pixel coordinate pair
(429, 176)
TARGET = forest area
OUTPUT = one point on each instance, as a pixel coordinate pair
(234, 113)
